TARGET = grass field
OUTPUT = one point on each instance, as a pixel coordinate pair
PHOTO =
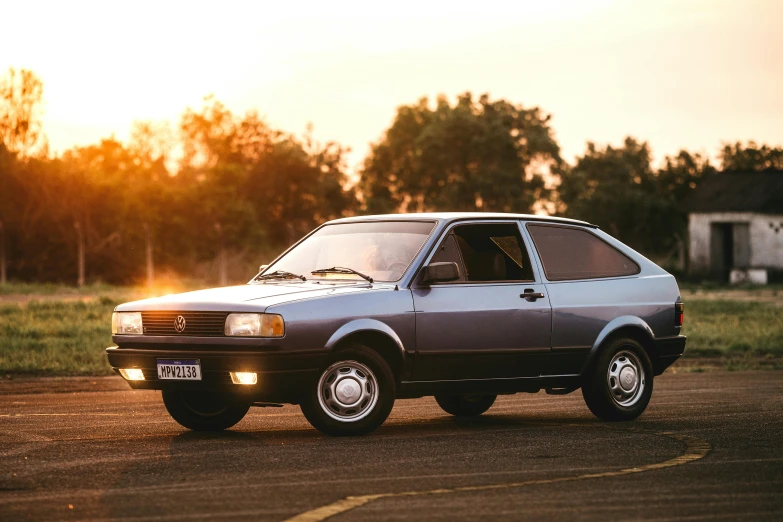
(743, 334)
(53, 289)
(51, 330)
(56, 337)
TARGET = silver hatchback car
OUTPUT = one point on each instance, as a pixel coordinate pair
(366, 310)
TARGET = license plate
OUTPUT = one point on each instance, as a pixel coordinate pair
(179, 370)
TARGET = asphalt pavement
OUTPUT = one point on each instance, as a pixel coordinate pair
(710, 446)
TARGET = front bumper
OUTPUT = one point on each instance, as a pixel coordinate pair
(667, 351)
(281, 376)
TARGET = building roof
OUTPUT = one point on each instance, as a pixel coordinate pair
(760, 192)
(455, 216)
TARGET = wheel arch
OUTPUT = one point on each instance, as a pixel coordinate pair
(626, 326)
(377, 336)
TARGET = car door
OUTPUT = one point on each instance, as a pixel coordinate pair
(483, 325)
(589, 283)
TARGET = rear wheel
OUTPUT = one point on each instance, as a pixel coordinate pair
(204, 411)
(620, 384)
(353, 395)
(465, 405)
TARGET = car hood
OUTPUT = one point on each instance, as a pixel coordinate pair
(250, 297)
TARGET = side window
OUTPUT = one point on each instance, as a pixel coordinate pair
(493, 252)
(572, 253)
(448, 251)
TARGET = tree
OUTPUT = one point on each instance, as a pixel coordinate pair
(677, 179)
(7, 186)
(150, 147)
(32, 228)
(297, 185)
(101, 195)
(253, 186)
(20, 131)
(106, 210)
(21, 95)
(473, 155)
(617, 189)
(611, 187)
(737, 156)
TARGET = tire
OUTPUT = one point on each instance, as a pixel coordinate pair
(353, 395)
(204, 411)
(465, 405)
(620, 383)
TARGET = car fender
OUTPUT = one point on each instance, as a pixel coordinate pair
(364, 325)
(611, 327)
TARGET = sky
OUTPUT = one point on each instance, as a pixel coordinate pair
(680, 74)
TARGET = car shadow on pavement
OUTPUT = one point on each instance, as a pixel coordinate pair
(450, 423)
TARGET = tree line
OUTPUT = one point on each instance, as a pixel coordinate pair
(224, 192)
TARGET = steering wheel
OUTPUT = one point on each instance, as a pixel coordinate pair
(397, 269)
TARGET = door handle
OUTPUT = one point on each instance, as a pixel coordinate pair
(531, 295)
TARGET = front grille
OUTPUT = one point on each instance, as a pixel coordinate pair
(197, 324)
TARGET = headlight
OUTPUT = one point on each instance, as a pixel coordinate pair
(126, 323)
(255, 325)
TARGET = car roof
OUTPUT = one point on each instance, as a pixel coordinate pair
(457, 216)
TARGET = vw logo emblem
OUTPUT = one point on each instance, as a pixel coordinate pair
(179, 324)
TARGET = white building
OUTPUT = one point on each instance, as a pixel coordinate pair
(735, 227)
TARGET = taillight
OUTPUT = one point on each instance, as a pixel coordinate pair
(679, 313)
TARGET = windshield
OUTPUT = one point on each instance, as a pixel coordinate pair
(382, 250)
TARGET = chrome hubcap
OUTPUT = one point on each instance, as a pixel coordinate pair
(347, 391)
(626, 378)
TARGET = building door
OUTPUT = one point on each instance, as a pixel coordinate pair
(729, 248)
(721, 250)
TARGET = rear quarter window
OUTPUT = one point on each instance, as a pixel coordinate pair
(572, 253)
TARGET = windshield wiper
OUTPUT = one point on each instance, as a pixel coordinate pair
(280, 274)
(341, 270)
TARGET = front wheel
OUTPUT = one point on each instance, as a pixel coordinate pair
(204, 411)
(353, 395)
(465, 405)
(620, 384)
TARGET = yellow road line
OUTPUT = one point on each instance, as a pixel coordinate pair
(695, 449)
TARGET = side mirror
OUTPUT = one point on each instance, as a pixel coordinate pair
(440, 273)
(262, 268)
